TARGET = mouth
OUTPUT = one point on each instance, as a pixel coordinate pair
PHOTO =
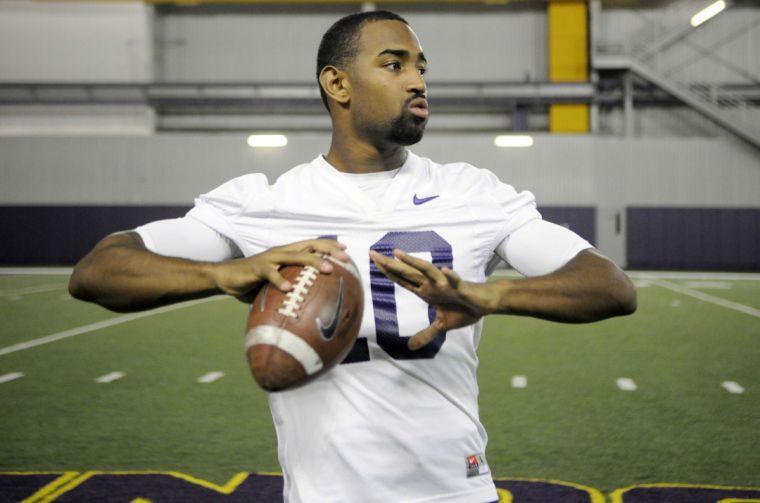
(419, 107)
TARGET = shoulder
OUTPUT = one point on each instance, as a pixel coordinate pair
(297, 175)
(478, 186)
(240, 186)
(256, 185)
(462, 177)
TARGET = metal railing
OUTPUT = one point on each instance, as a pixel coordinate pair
(665, 50)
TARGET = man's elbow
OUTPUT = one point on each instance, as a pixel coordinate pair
(78, 283)
(623, 295)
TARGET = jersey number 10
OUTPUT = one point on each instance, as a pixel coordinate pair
(384, 296)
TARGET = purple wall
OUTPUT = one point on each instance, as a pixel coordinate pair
(693, 238)
(61, 235)
(581, 220)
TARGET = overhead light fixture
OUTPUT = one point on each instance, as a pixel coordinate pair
(513, 141)
(267, 140)
(708, 12)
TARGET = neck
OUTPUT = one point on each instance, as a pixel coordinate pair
(352, 154)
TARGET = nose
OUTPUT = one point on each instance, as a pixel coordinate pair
(416, 84)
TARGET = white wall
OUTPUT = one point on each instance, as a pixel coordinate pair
(48, 42)
(560, 169)
(67, 120)
(75, 42)
(499, 45)
(607, 173)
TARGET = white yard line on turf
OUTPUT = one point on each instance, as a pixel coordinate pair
(35, 271)
(110, 377)
(210, 377)
(712, 285)
(101, 324)
(649, 275)
(31, 289)
(626, 384)
(706, 276)
(11, 377)
(733, 387)
(519, 381)
(708, 298)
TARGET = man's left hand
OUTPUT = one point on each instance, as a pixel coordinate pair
(457, 303)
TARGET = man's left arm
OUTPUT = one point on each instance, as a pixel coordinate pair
(589, 287)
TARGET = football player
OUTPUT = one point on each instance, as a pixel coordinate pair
(398, 420)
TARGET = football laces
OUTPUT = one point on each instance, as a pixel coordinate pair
(296, 296)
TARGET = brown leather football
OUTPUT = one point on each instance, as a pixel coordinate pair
(293, 337)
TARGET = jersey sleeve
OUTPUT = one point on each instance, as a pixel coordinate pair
(238, 210)
(187, 238)
(529, 244)
(540, 247)
(517, 208)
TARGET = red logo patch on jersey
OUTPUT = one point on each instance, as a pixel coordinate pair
(476, 465)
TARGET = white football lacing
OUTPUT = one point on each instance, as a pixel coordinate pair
(305, 279)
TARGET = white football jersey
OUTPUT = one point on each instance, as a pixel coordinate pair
(388, 424)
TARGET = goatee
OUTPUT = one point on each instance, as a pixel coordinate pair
(407, 129)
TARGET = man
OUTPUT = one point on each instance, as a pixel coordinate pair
(398, 420)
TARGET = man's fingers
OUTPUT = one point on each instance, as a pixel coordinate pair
(425, 267)
(425, 336)
(302, 258)
(330, 247)
(395, 277)
(398, 279)
(279, 281)
(398, 268)
(452, 276)
(320, 246)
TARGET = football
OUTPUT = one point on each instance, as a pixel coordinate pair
(293, 337)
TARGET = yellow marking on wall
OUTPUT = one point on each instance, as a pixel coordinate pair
(568, 118)
(568, 61)
(617, 494)
(504, 495)
(595, 495)
(141, 500)
(739, 500)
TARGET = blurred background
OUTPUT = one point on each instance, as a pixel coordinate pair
(637, 121)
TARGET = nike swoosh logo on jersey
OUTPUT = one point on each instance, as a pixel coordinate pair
(329, 331)
(422, 200)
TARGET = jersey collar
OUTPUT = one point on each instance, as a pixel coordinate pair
(398, 187)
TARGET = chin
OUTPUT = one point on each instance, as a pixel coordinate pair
(407, 131)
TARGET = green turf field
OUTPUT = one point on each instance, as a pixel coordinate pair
(571, 422)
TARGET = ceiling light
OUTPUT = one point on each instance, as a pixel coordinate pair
(267, 140)
(708, 12)
(513, 141)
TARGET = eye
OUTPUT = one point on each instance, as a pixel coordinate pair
(394, 65)
(422, 71)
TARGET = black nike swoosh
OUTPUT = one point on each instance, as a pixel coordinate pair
(329, 331)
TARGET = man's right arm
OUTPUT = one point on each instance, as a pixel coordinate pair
(121, 274)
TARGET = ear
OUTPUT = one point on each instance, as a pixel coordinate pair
(335, 83)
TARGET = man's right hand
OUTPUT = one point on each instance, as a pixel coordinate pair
(122, 275)
(242, 278)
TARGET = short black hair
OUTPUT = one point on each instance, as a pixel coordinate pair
(339, 44)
